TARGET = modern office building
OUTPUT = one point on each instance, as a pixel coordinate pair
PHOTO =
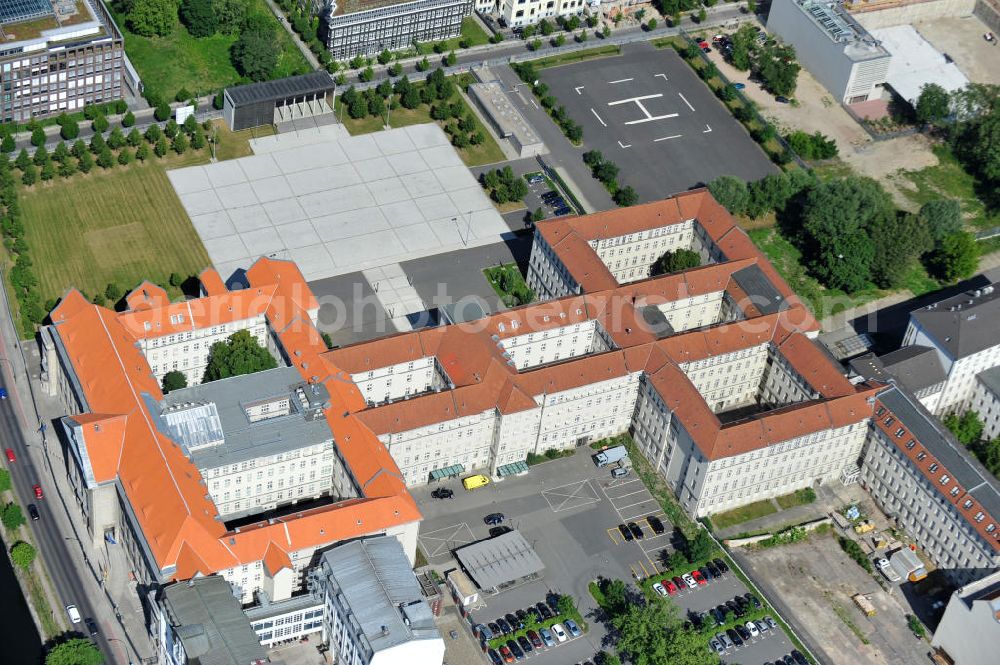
(833, 46)
(158, 475)
(518, 13)
(374, 610)
(56, 56)
(367, 27)
(198, 622)
(970, 628)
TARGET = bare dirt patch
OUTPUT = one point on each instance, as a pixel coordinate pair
(816, 580)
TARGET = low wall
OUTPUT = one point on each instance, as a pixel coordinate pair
(903, 13)
(988, 11)
(743, 542)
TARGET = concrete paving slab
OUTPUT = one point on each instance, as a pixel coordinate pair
(312, 261)
(448, 231)
(366, 249)
(300, 158)
(422, 184)
(298, 234)
(391, 143)
(270, 189)
(360, 148)
(236, 196)
(440, 157)
(407, 163)
(350, 223)
(455, 177)
(226, 248)
(186, 181)
(425, 136)
(284, 211)
(264, 241)
(258, 167)
(402, 214)
(213, 225)
(372, 170)
(310, 182)
(390, 190)
(417, 237)
(438, 205)
(225, 173)
(471, 199)
(250, 218)
(199, 203)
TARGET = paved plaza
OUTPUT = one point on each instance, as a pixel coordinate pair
(336, 204)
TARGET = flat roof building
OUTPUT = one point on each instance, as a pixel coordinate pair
(497, 563)
(507, 121)
(271, 102)
(367, 27)
(833, 46)
(915, 63)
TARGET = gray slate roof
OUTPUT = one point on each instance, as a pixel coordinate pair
(273, 91)
(496, 561)
(209, 622)
(381, 590)
(916, 366)
(991, 379)
(940, 443)
(762, 293)
(964, 324)
(245, 440)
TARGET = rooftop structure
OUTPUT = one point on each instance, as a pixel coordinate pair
(970, 628)
(15, 11)
(495, 563)
(961, 325)
(506, 119)
(201, 622)
(915, 63)
(379, 609)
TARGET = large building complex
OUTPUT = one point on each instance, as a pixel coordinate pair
(57, 56)
(367, 27)
(834, 47)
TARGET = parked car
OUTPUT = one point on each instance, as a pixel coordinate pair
(716, 646)
(670, 587)
(499, 531)
(11, 457)
(546, 636)
(37, 489)
(573, 629)
(636, 530)
(559, 212)
(706, 573)
(558, 631)
(494, 628)
(740, 86)
(505, 628)
(689, 581)
(521, 615)
(799, 658)
(536, 641)
(735, 637)
(483, 631)
(506, 654)
(771, 622)
(742, 602)
(494, 519)
(535, 178)
(753, 599)
(544, 610)
(752, 629)
(626, 533)
(781, 99)
(443, 493)
(495, 657)
(718, 615)
(74, 614)
(620, 471)
(33, 512)
(3, 393)
(743, 632)
(515, 625)
(721, 565)
(516, 650)
(724, 639)
(679, 582)
(655, 524)
(91, 626)
(659, 589)
(698, 577)
(525, 644)
(712, 568)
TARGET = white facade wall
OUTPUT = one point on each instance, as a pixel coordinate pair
(695, 312)
(262, 483)
(782, 384)
(394, 382)
(546, 346)
(467, 441)
(525, 12)
(731, 379)
(289, 625)
(188, 351)
(986, 403)
(547, 276)
(902, 492)
(587, 413)
(629, 257)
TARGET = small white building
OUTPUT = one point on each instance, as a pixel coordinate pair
(374, 611)
(518, 13)
(835, 48)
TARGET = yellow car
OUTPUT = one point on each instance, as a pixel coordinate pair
(475, 482)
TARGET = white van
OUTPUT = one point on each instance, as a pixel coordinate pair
(74, 614)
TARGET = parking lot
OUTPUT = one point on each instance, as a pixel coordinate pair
(648, 112)
(569, 511)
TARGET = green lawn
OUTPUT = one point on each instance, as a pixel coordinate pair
(509, 284)
(947, 180)
(167, 64)
(577, 56)
(121, 226)
(471, 30)
(742, 514)
(800, 497)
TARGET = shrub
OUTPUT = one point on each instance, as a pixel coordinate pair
(853, 550)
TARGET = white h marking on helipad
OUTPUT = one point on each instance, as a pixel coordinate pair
(638, 102)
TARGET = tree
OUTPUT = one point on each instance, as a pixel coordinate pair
(23, 555)
(385, 57)
(955, 257)
(423, 65)
(677, 560)
(170, 129)
(899, 240)
(153, 133)
(198, 17)
(229, 15)
(142, 152)
(162, 111)
(85, 162)
(68, 168)
(128, 120)
(79, 147)
(698, 548)
(180, 144)
(48, 171)
(778, 69)
(451, 59)
(190, 125)
(967, 428)
(76, 651)
(396, 69)
(151, 18)
(30, 175)
(174, 380)
(125, 157)
(4, 480)
(12, 517)
(97, 144)
(255, 53)
(743, 42)
(675, 261)
(113, 292)
(7, 146)
(23, 159)
(134, 138)
(41, 156)
(626, 196)
(239, 354)
(61, 153)
(933, 104)
(941, 217)
(731, 192)
(116, 139)
(653, 634)
(38, 137)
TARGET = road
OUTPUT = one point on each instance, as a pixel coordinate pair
(52, 545)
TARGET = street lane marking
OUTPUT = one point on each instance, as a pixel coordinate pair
(620, 81)
(578, 89)
(667, 138)
(708, 129)
(625, 145)
(684, 99)
(598, 117)
(532, 100)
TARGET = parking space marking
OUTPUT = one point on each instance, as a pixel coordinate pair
(708, 129)
(624, 145)
(620, 81)
(442, 541)
(578, 89)
(662, 75)
(638, 503)
(613, 534)
(622, 496)
(560, 496)
(684, 99)
(598, 117)
(667, 138)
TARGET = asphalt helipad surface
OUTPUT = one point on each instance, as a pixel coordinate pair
(336, 204)
(648, 112)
